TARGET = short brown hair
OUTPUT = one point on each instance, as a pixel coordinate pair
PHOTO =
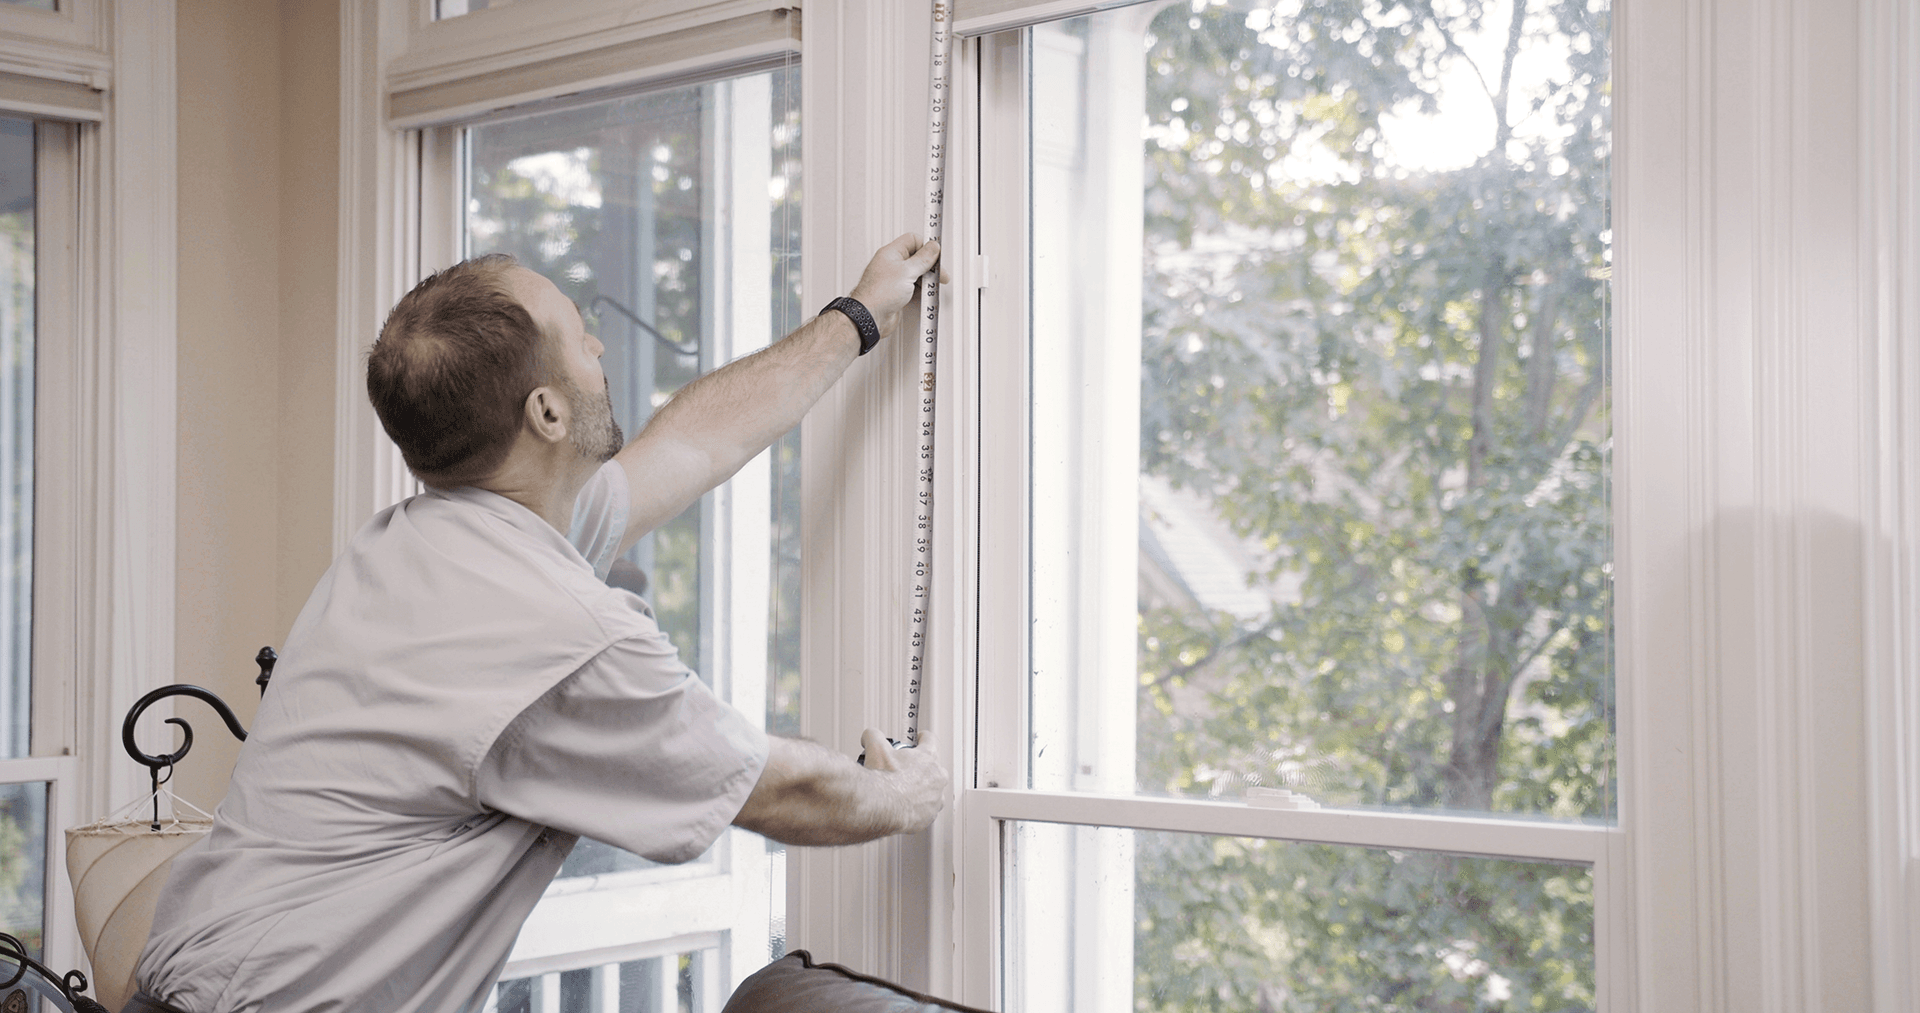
(452, 369)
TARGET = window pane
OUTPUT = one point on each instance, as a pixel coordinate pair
(1321, 404)
(23, 862)
(45, 5)
(1110, 919)
(672, 219)
(16, 434)
(443, 9)
(670, 984)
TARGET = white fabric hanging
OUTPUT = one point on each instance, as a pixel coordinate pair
(118, 866)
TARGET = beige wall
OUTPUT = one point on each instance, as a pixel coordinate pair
(258, 170)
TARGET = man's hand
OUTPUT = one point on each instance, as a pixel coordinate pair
(887, 283)
(810, 795)
(918, 778)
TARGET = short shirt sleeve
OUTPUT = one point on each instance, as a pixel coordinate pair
(631, 749)
(600, 517)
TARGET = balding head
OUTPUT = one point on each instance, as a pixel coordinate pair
(453, 367)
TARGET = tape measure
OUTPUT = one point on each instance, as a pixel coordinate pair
(939, 93)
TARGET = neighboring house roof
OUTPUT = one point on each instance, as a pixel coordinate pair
(1189, 556)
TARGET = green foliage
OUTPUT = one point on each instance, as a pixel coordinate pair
(22, 862)
(1357, 929)
(1393, 381)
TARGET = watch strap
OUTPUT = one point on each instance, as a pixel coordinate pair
(852, 309)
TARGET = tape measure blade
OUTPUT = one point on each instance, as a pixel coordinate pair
(939, 93)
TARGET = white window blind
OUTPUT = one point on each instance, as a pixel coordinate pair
(701, 53)
(48, 98)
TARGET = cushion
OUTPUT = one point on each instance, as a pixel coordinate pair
(795, 984)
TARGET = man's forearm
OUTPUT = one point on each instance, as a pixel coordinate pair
(736, 411)
(810, 795)
(713, 426)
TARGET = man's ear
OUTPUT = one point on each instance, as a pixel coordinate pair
(547, 414)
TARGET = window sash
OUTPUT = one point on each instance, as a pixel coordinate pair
(1000, 326)
(990, 156)
(57, 484)
(1583, 843)
(61, 774)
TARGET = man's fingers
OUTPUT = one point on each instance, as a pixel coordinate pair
(879, 753)
(923, 258)
(904, 246)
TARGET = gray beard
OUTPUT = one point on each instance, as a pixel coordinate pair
(596, 436)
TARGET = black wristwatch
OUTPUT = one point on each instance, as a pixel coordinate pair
(850, 308)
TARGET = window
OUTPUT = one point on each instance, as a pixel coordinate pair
(1763, 394)
(1315, 402)
(671, 218)
(37, 776)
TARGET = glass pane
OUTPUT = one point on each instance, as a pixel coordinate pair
(44, 5)
(16, 435)
(1110, 919)
(671, 984)
(644, 210)
(1321, 404)
(23, 862)
(443, 9)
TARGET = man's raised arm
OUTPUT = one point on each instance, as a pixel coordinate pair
(713, 426)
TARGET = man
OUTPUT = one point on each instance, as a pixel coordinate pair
(463, 695)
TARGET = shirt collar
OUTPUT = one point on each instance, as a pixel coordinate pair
(515, 515)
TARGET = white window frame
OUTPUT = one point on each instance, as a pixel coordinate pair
(1767, 399)
(106, 400)
(74, 42)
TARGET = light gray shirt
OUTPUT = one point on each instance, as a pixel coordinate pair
(461, 698)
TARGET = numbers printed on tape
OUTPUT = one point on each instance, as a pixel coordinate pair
(938, 89)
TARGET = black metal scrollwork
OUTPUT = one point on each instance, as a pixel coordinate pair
(71, 985)
(165, 761)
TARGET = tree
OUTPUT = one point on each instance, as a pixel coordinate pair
(1392, 380)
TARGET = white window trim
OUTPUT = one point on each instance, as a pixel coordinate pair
(74, 43)
(1768, 411)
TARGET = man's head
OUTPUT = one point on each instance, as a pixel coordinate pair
(471, 357)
